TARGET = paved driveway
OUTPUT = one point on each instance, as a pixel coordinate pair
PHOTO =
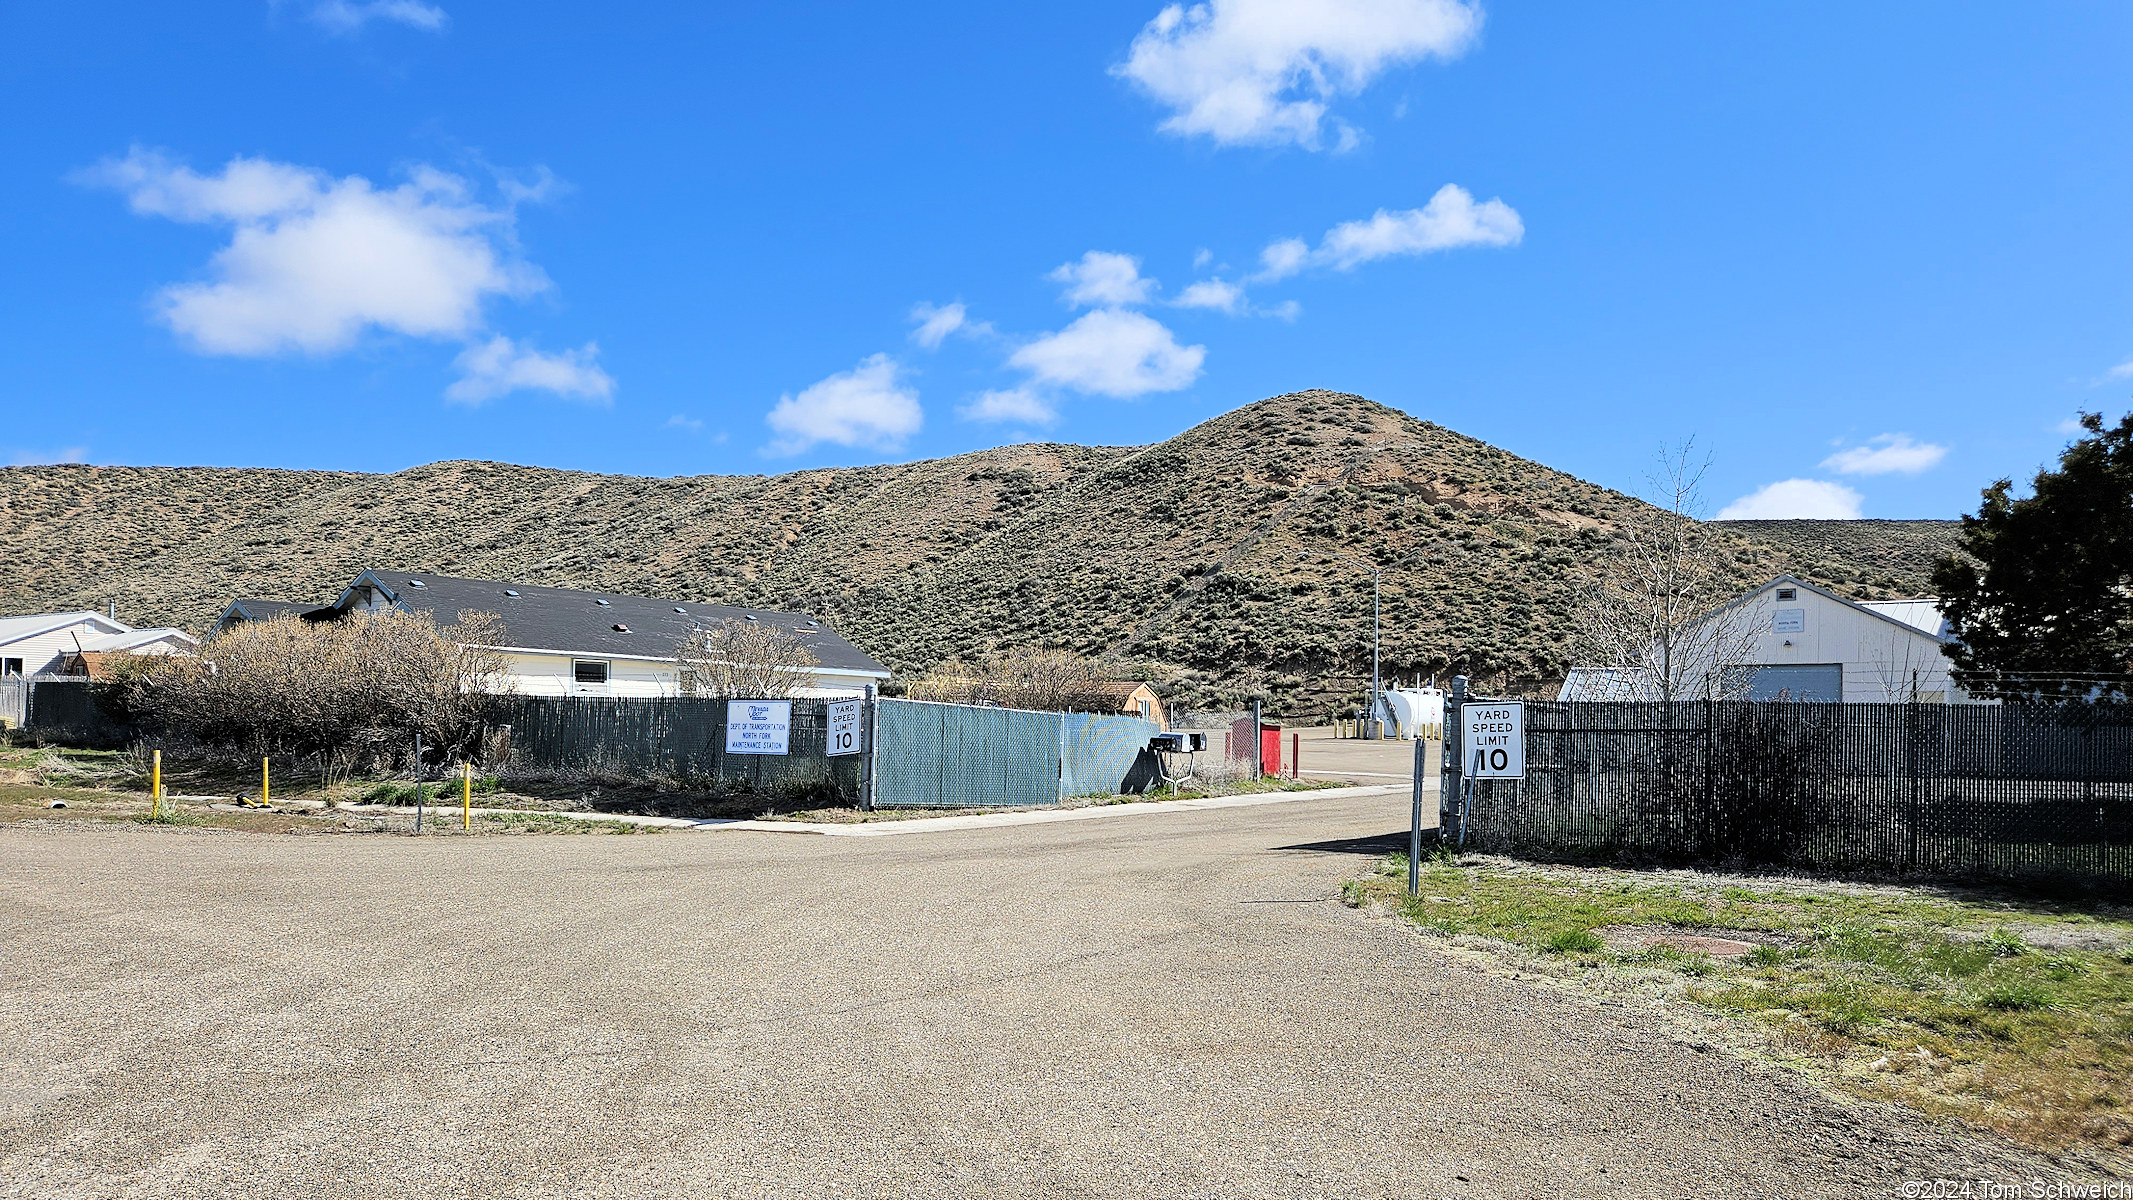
(1147, 1006)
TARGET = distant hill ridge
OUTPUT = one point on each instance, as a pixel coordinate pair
(1207, 561)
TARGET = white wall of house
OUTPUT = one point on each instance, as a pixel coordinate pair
(540, 674)
(41, 652)
(1879, 656)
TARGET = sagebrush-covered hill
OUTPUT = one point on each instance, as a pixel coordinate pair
(1212, 561)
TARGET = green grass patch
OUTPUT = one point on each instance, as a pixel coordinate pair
(551, 823)
(434, 791)
(2009, 1012)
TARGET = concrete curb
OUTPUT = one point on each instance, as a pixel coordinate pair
(1042, 816)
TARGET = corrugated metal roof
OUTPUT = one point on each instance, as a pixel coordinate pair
(1607, 683)
(1923, 614)
(14, 629)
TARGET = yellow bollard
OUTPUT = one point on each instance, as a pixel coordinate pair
(266, 782)
(155, 787)
(466, 796)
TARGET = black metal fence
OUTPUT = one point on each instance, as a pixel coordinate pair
(77, 712)
(1960, 790)
(681, 737)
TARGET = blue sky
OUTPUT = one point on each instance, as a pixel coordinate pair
(1869, 256)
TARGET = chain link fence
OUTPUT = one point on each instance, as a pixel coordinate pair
(1980, 790)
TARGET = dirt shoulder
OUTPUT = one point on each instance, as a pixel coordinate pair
(2005, 1011)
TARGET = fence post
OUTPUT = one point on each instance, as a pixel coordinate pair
(418, 783)
(1910, 767)
(1258, 745)
(1448, 822)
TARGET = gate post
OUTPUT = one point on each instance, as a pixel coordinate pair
(870, 762)
(1448, 774)
(1258, 745)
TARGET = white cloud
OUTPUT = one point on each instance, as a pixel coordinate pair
(2123, 370)
(1019, 405)
(682, 421)
(1217, 294)
(499, 366)
(936, 322)
(33, 458)
(350, 16)
(865, 406)
(1450, 220)
(1889, 454)
(1265, 71)
(315, 261)
(1795, 499)
(1111, 352)
(1103, 279)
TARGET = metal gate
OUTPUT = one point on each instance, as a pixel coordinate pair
(966, 756)
(960, 756)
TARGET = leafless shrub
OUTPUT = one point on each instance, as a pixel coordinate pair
(1041, 680)
(1656, 610)
(744, 658)
(340, 692)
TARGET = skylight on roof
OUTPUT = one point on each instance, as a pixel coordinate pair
(510, 592)
(601, 603)
(682, 611)
(416, 583)
(621, 628)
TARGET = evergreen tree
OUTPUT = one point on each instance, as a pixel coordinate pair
(2042, 599)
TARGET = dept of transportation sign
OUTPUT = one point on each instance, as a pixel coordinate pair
(1492, 739)
(758, 726)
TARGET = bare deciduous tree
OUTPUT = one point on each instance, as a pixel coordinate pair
(1660, 610)
(338, 691)
(1040, 680)
(752, 659)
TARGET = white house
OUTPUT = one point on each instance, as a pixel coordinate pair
(1795, 641)
(40, 643)
(566, 642)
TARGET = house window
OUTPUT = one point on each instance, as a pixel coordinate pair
(588, 671)
(10, 666)
(1788, 593)
(1145, 710)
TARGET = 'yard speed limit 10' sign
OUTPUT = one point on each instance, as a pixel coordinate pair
(843, 727)
(1492, 739)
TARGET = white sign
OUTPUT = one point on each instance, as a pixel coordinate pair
(758, 726)
(1789, 620)
(1492, 739)
(844, 727)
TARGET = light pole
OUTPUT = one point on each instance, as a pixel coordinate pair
(1377, 575)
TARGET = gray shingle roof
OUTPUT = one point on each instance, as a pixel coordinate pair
(582, 623)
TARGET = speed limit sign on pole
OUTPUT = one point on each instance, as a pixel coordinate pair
(1493, 738)
(844, 727)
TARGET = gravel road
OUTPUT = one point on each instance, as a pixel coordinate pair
(1147, 1006)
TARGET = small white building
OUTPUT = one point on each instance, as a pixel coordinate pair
(41, 643)
(1795, 641)
(567, 642)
